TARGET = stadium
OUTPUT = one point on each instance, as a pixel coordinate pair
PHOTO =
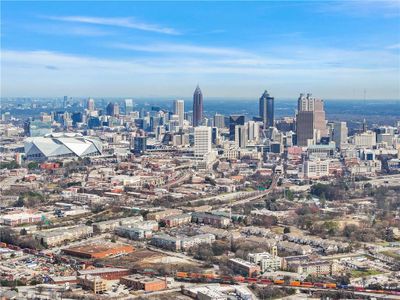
(61, 145)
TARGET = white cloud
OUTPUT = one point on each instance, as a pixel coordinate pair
(38, 73)
(118, 22)
(395, 46)
(181, 48)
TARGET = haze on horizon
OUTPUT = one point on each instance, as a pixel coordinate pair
(333, 49)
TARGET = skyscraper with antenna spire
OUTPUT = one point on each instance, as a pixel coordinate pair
(197, 107)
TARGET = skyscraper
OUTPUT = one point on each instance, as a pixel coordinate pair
(241, 136)
(139, 144)
(310, 120)
(65, 102)
(202, 140)
(253, 131)
(340, 132)
(219, 121)
(266, 109)
(179, 110)
(128, 106)
(90, 104)
(197, 107)
(112, 109)
(234, 120)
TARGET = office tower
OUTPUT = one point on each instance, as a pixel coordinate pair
(197, 107)
(128, 106)
(253, 131)
(234, 120)
(365, 139)
(202, 140)
(364, 126)
(340, 132)
(305, 127)
(76, 117)
(214, 135)
(241, 136)
(90, 104)
(65, 102)
(179, 110)
(139, 144)
(219, 121)
(310, 120)
(112, 109)
(266, 109)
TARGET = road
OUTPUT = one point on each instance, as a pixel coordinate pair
(238, 198)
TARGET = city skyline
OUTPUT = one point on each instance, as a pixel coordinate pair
(335, 49)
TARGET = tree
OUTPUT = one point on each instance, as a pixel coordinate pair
(203, 252)
(220, 247)
(20, 202)
(289, 195)
(33, 165)
(331, 227)
(286, 230)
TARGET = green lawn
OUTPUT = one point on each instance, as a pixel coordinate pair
(356, 273)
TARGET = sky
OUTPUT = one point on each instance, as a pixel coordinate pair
(333, 49)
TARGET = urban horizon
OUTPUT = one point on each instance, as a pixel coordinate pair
(233, 191)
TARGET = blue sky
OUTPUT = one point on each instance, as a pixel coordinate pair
(334, 49)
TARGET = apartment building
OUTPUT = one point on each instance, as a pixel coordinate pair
(177, 220)
(54, 237)
(110, 225)
(210, 219)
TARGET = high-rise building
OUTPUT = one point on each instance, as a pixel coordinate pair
(179, 110)
(139, 144)
(234, 120)
(241, 136)
(90, 104)
(310, 120)
(202, 140)
(128, 106)
(253, 131)
(65, 102)
(112, 109)
(365, 139)
(197, 107)
(304, 127)
(266, 109)
(219, 121)
(339, 134)
(214, 135)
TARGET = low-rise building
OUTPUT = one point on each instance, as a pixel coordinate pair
(244, 267)
(189, 242)
(166, 242)
(110, 225)
(134, 233)
(314, 268)
(57, 236)
(177, 220)
(159, 215)
(94, 283)
(210, 219)
(20, 218)
(140, 282)
(105, 273)
(267, 261)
